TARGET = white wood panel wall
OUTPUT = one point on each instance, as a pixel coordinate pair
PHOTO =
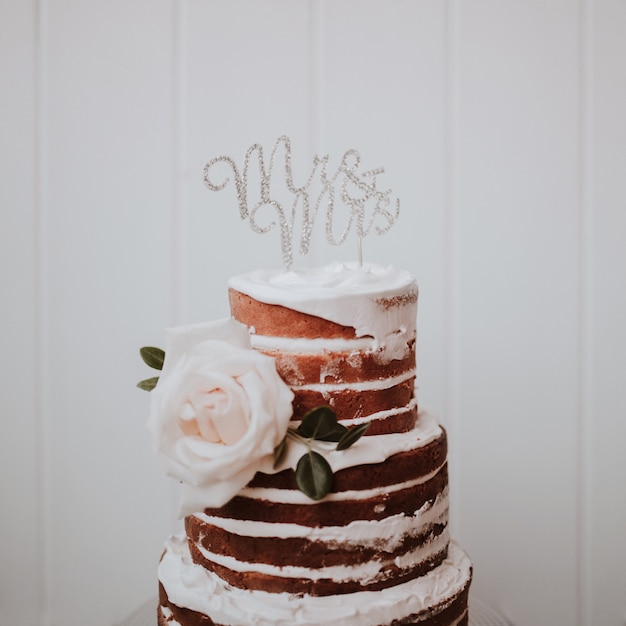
(501, 127)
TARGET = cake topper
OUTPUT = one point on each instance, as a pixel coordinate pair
(367, 206)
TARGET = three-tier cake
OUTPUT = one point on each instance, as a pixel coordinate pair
(284, 526)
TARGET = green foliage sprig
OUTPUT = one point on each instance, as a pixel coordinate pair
(154, 358)
(314, 476)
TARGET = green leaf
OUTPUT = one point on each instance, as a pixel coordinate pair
(149, 384)
(321, 424)
(336, 434)
(352, 436)
(314, 476)
(279, 452)
(153, 357)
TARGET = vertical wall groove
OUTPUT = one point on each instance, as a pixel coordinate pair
(450, 386)
(317, 79)
(179, 10)
(585, 316)
(317, 14)
(42, 591)
(177, 169)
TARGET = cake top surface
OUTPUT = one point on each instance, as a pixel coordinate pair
(335, 280)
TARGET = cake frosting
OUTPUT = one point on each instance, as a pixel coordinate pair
(258, 549)
(194, 587)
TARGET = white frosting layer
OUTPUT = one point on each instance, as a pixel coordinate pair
(369, 449)
(379, 415)
(311, 346)
(294, 496)
(386, 534)
(368, 385)
(365, 573)
(347, 294)
(193, 587)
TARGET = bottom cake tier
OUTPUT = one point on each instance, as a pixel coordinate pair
(190, 595)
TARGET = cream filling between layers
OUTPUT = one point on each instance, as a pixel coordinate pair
(368, 385)
(348, 348)
(364, 572)
(295, 345)
(379, 415)
(294, 496)
(191, 586)
(368, 450)
(386, 534)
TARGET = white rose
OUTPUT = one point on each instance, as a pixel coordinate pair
(217, 413)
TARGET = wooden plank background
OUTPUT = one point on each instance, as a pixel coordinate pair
(501, 127)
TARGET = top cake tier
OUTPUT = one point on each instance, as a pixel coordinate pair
(341, 335)
(337, 301)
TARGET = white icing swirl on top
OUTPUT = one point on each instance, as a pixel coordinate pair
(378, 302)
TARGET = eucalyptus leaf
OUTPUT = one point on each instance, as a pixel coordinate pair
(314, 476)
(153, 357)
(149, 384)
(319, 424)
(352, 436)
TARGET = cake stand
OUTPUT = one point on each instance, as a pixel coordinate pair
(480, 615)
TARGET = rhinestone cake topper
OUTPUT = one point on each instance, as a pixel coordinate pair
(367, 206)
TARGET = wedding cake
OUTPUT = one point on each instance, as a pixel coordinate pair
(314, 489)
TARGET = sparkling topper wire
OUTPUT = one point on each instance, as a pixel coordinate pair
(368, 207)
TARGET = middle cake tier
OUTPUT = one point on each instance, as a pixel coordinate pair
(383, 523)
